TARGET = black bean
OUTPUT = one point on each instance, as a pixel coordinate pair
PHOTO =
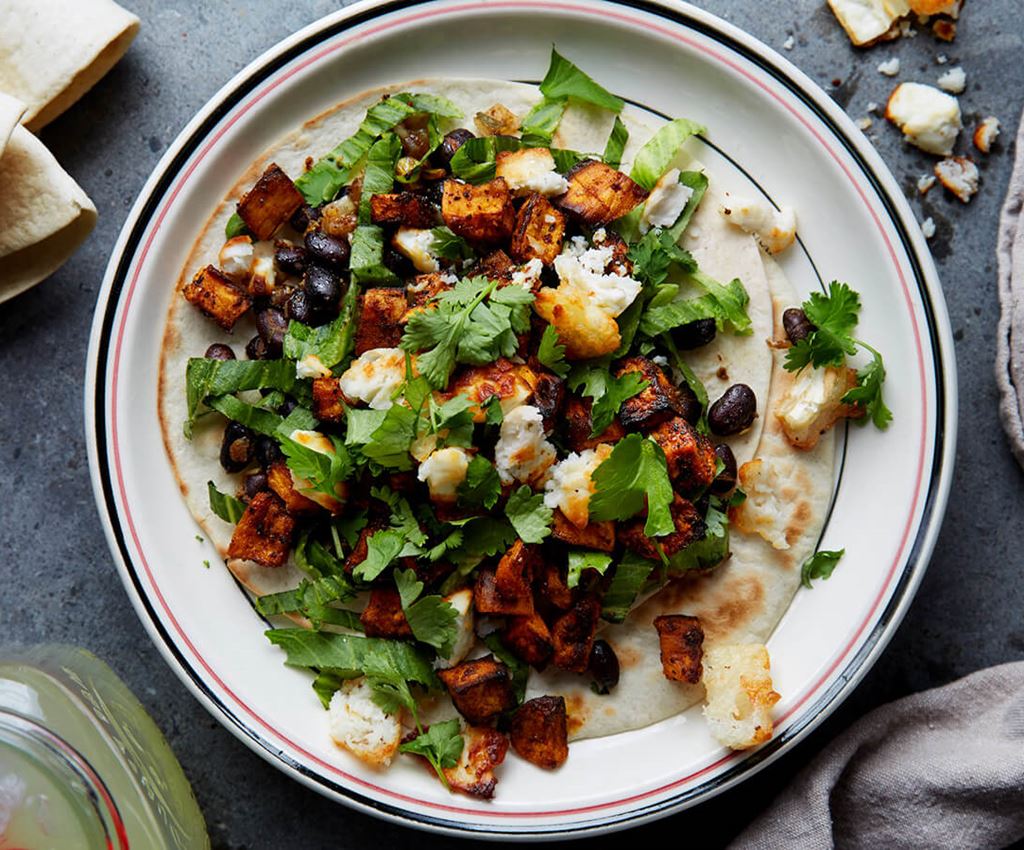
(287, 406)
(797, 325)
(451, 143)
(267, 451)
(734, 411)
(725, 483)
(398, 263)
(304, 216)
(257, 348)
(290, 259)
(219, 351)
(603, 666)
(302, 308)
(255, 483)
(237, 448)
(272, 326)
(694, 334)
(323, 288)
(416, 143)
(329, 252)
(433, 192)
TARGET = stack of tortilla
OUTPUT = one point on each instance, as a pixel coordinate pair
(51, 53)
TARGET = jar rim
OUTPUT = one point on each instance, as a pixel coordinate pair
(69, 760)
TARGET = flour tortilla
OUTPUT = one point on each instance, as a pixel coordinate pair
(44, 214)
(741, 601)
(583, 128)
(53, 51)
(11, 110)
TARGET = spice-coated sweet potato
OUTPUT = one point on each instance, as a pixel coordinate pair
(599, 194)
(528, 638)
(481, 689)
(328, 401)
(572, 635)
(539, 731)
(579, 424)
(424, 288)
(383, 615)
(682, 647)
(483, 214)
(403, 208)
(658, 401)
(539, 231)
(689, 454)
(381, 315)
(597, 535)
(279, 478)
(217, 297)
(689, 529)
(264, 533)
(270, 203)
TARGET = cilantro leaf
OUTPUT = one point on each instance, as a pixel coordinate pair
(311, 599)
(382, 548)
(551, 352)
(820, 565)
(235, 226)
(563, 79)
(433, 620)
(475, 160)
(326, 683)
(493, 413)
(449, 246)
(314, 559)
(630, 576)
(441, 745)
(482, 537)
(868, 392)
(482, 486)
(324, 472)
(227, 507)
(580, 560)
(634, 476)
(607, 392)
(835, 318)
(616, 144)
(409, 587)
(379, 173)
(529, 516)
(389, 443)
(712, 548)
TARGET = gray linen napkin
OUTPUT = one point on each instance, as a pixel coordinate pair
(943, 768)
(1010, 339)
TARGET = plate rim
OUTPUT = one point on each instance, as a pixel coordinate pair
(884, 189)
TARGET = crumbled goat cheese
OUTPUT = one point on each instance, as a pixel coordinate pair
(928, 227)
(864, 123)
(462, 602)
(986, 133)
(361, 726)
(418, 246)
(739, 694)
(570, 486)
(584, 269)
(528, 275)
(953, 81)
(443, 471)
(789, 43)
(891, 67)
(925, 182)
(872, 107)
(959, 175)
(774, 229)
(667, 200)
(374, 377)
(311, 366)
(235, 258)
(531, 170)
(942, 59)
(522, 452)
(865, 21)
(928, 118)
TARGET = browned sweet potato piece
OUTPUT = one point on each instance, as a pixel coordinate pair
(482, 214)
(548, 397)
(573, 635)
(217, 297)
(689, 529)
(496, 266)
(264, 533)
(270, 203)
(620, 262)
(539, 732)
(597, 535)
(328, 402)
(423, 288)
(514, 575)
(682, 647)
(279, 477)
(483, 750)
(511, 382)
(481, 689)
(528, 638)
(539, 231)
(487, 600)
(404, 208)
(690, 455)
(658, 401)
(578, 423)
(360, 550)
(550, 585)
(599, 194)
(380, 318)
(383, 615)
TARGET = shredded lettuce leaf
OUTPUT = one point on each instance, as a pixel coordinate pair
(655, 157)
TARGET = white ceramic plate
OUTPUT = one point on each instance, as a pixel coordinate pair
(771, 125)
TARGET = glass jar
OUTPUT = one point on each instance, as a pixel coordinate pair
(81, 763)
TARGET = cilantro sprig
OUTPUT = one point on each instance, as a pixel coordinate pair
(634, 476)
(606, 391)
(441, 745)
(820, 565)
(835, 315)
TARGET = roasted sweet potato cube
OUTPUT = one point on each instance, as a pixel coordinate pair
(264, 533)
(514, 575)
(328, 401)
(529, 638)
(423, 288)
(487, 600)
(572, 635)
(597, 535)
(483, 749)
(270, 203)
(599, 194)
(279, 477)
(658, 401)
(512, 383)
(682, 647)
(539, 731)
(548, 397)
(496, 266)
(578, 424)
(481, 689)
(383, 615)
(689, 529)
(620, 262)
(690, 455)
(380, 319)
(550, 585)
(217, 297)
(483, 214)
(539, 231)
(402, 208)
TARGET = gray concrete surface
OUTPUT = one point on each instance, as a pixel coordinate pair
(57, 582)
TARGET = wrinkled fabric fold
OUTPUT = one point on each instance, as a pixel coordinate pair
(943, 768)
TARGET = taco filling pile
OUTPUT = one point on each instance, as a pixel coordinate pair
(529, 441)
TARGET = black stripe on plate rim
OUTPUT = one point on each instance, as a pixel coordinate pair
(826, 702)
